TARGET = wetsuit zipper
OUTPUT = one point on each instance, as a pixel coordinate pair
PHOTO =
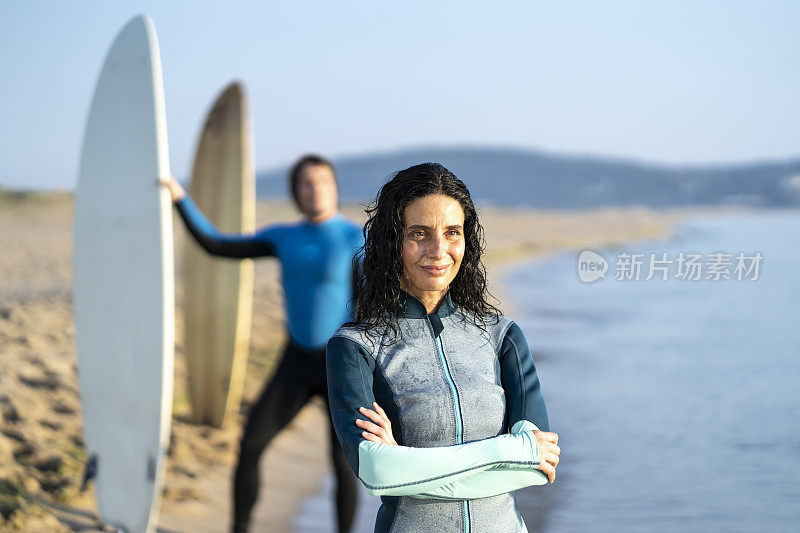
(457, 405)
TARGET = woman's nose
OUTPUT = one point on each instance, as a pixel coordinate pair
(438, 247)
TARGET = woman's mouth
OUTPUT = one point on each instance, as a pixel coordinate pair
(436, 270)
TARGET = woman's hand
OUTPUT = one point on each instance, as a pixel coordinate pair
(548, 453)
(175, 190)
(380, 429)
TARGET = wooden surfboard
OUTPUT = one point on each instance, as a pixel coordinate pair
(218, 292)
(123, 274)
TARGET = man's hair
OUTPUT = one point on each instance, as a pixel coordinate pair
(300, 164)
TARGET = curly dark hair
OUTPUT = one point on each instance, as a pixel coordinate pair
(377, 298)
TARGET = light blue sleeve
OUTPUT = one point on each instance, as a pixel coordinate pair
(496, 480)
(441, 471)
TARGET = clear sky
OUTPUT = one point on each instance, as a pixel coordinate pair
(663, 81)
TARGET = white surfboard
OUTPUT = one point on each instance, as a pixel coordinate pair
(123, 272)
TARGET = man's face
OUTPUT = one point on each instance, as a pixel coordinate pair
(316, 191)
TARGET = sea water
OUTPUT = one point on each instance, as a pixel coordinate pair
(677, 402)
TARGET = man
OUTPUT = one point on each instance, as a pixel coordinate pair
(316, 257)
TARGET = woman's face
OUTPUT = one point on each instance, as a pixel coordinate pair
(433, 243)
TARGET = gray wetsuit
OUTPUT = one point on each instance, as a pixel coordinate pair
(462, 403)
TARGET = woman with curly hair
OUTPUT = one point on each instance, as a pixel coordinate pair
(433, 393)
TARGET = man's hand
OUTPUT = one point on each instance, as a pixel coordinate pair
(175, 190)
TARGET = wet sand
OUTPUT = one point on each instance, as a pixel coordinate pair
(41, 443)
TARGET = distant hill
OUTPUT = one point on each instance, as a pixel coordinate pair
(512, 177)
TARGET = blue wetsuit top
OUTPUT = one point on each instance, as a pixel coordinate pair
(316, 263)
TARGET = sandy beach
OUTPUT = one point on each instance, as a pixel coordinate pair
(41, 444)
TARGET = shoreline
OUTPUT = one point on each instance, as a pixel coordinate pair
(591, 340)
(41, 443)
(535, 504)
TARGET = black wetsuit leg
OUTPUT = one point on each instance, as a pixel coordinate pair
(281, 398)
(299, 376)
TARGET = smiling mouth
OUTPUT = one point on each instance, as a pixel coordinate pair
(436, 270)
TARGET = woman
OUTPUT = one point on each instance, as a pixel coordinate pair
(433, 393)
(316, 257)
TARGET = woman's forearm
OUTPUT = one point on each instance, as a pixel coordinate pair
(440, 472)
(492, 482)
